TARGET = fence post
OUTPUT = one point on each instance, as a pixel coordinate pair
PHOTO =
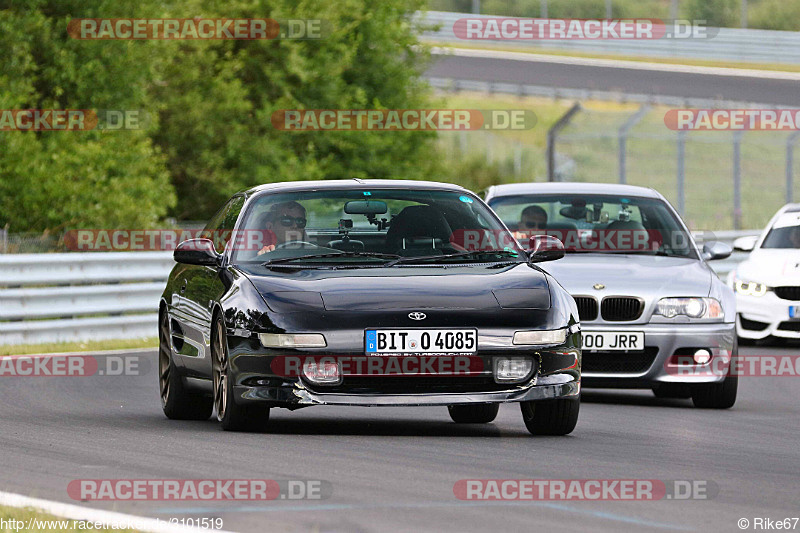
(622, 136)
(682, 172)
(542, 9)
(552, 134)
(3, 240)
(476, 7)
(790, 166)
(518, 159)
(608, 9)
(737, 180)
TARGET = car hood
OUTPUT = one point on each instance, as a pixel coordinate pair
(632, 275)
(402, 287)
(773, 267)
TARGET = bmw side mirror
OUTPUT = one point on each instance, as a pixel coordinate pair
(196, 252)
(716, 250)
(543, 248)
(745, 244)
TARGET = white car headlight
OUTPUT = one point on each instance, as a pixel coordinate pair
(540, 337)
(750, 288)
(699, 308)
(296, 340)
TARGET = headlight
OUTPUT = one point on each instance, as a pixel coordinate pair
(700, 308)
(296, 340)
(750, 288)
(541, 337)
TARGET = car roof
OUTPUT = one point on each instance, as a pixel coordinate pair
(559, 187)
(355, 183)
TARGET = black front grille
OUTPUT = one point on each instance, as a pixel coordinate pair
(789, 326)
(619, 362)
(587, 307)
(752, 325)
(620, 308)
(788, 293)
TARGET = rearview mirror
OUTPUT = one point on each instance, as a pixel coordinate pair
(196, 252)
(365, 207)
(716, 250)
(545, 248)
(745, 244)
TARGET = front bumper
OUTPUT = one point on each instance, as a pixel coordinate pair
(663, 341)
(759, 317)
(298, 395)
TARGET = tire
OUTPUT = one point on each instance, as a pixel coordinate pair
(551, 417)
(177, 401)
(716, 395)
(482, 413)
(673, 390)
(232, 416)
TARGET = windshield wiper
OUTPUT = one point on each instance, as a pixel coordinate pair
(473, 253)
(376, 255)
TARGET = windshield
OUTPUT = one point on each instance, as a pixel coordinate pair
(785, 232)
(597, 223)
(372, 227)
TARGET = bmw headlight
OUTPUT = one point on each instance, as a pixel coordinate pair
(750, 288)
(697, 308)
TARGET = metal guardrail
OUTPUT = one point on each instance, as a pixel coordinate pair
(731, 44)
(49, 298)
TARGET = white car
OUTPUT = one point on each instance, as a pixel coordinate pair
(767, 283)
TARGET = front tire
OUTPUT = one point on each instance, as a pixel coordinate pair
(473, 414)
(233, 417)
(716, 395)
(177, 401)
(551, 417)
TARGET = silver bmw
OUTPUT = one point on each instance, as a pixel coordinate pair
(653, 313)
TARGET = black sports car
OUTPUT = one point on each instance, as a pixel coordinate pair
(370, 293)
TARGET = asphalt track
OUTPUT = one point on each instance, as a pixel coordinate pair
(589, 76)
(393, 469)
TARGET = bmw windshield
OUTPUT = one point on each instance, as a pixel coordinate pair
(598, 223)
(382, 227)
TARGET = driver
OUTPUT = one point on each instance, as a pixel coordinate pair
(533, 217)
(287, 220)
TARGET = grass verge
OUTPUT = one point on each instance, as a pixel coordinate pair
(90, 346)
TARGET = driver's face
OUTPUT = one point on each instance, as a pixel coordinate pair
(285, 225)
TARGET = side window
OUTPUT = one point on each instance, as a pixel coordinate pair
(220, 227)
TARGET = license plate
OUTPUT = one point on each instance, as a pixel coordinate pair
(794, 311)
(613, 341)
(421, 341)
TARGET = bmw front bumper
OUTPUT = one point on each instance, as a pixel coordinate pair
(763, 316)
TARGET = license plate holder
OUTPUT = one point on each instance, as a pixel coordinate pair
(421, 341)
(613, 341)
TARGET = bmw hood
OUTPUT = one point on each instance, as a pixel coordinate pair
(632, 275)
(413, 288)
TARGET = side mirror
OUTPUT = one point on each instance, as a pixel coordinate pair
(745, 244)
(545, 248)
(196, 252)
(716, 250)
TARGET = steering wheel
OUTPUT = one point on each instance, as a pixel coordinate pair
(303, 243)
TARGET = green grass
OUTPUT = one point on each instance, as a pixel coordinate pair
(26, 515)
(90, 346)
(590, 142)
